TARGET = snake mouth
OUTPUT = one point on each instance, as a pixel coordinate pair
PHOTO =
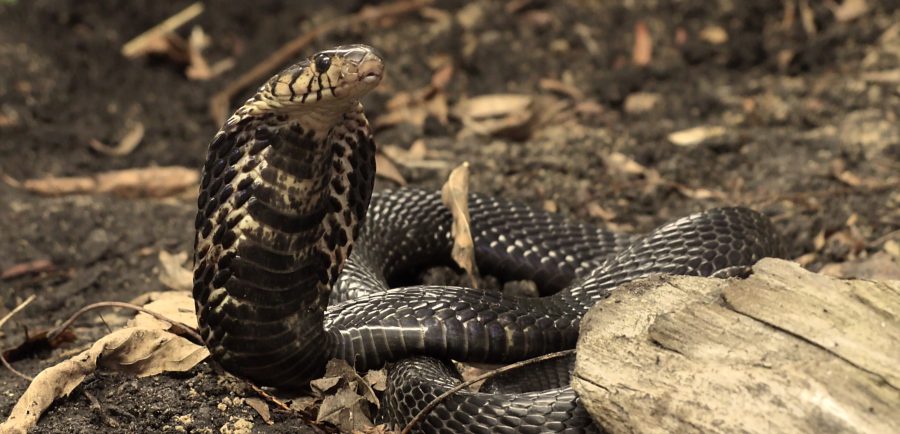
(371, 68)
(364, 66)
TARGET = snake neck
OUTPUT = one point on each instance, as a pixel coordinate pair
(281, 201)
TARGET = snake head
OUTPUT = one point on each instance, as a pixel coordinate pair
(329, 78)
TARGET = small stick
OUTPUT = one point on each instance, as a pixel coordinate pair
(431, 405)
(68, 323)
(134, 47)
(219, 103)
(2, 322)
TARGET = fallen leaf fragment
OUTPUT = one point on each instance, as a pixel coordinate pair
(386, 169)
(133, 183)
(807, 17)
(455, 196)
(498, 115)
(879, 266)
(494, 105)
(715, 35)
(347, 396)
(619, 162)
(174, 305)
(377, 429)
(695, 136)
(127, 145)
(850, 10)
(261, 408)
(554, 85)
(172, 273)
(377, 379)
(347, 410)
(889, 76)
(642, 51)
(198, 68)
(137, 351)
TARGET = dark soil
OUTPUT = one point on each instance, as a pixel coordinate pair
(810, 137)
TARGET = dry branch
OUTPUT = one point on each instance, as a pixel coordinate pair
(136, 46)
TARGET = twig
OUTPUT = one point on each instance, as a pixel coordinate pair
(135, 46)
(434, 403)
(30, 267)
(2, 322)
(884, 238)
(184, 328)
(219, 103)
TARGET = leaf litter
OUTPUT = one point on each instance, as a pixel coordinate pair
(143, 348)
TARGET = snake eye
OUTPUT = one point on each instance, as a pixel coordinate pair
(323, 62)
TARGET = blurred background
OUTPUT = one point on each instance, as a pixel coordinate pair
(622, 113)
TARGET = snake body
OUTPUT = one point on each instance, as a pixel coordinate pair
(294, 258)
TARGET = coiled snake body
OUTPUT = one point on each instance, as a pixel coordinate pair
(284, 198)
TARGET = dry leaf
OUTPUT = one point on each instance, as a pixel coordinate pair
(890, 76)
(348, 407)
(807, 17)
(642, 52)
(261, 408)
(172, 273)
(386, 169)
(8, 117)
(619, 162)
(553, 85)
(850, 10)
(595, 210)
(819, 241)
(492, 106)
(441, 77)
(509, 115)
(715, 35)
(696, 135)
(346, 410)
(417, 152)
(700, 193)
(144, 182)
(377, 379)
(174, 305)
(339, 373)
(550, 206)
(879, 266)
(455, 195)
(137, 351)
(198, 68)
(377, 429)
(170, 45)
(438, 108)
(304, 404)
(127, 145)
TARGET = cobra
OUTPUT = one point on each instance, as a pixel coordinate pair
(294, 257)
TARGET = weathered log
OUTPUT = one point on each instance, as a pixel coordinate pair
(785, 350)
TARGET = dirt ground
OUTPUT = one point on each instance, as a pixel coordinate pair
(798, 104)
